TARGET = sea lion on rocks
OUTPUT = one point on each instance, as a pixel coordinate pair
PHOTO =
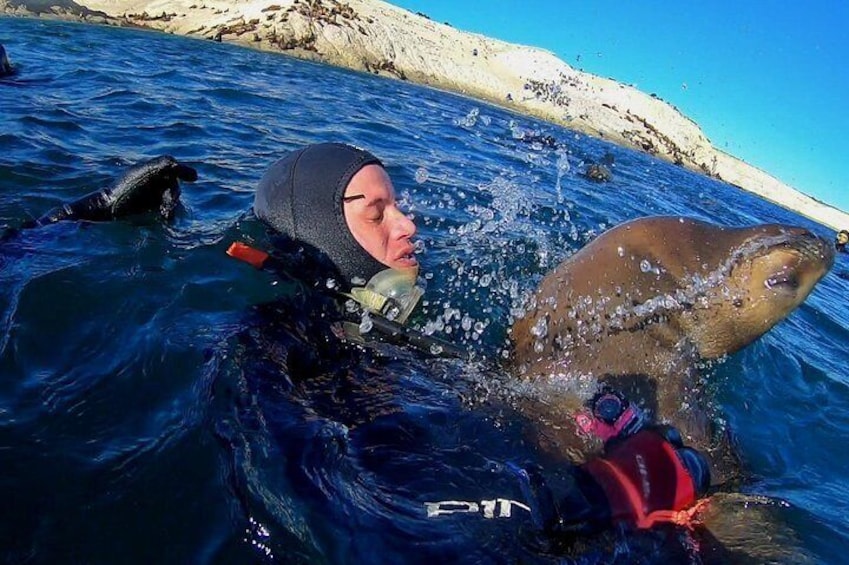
(640, 306)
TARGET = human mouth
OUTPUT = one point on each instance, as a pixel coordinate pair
(407, 259)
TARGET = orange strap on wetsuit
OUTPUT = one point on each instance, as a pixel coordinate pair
(248, 254)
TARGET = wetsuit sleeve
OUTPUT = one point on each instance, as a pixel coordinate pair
(146, 187)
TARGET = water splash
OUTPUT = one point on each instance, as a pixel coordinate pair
(563, 168)
(469, 120)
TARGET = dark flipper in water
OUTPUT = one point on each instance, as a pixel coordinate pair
(6, 68)
(146, 187)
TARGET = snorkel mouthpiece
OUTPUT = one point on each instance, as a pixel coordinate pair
(391, 293)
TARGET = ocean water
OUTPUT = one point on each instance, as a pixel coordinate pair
(137, 423)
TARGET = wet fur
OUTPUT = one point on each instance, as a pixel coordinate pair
(641, 307)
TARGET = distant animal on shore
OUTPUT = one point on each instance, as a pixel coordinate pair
(540, 139)
(600, 172)
(640, 306)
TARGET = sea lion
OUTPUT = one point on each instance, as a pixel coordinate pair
(600, 172)
(642, 304)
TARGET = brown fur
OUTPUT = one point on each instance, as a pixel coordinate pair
(640, 306)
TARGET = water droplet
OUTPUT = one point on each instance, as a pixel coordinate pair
(466, 323)
(470, 119)
(421, 175)
(366, 324)
(645, 266)
(540, 329)
(563, 166)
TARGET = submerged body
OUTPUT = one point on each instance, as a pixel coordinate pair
(642, 304)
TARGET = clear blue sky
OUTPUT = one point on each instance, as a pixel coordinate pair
(768, 81)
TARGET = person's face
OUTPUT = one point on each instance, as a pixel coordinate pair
(843, 238)
(375, 220)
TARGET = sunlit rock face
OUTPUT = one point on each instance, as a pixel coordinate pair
(376, 37)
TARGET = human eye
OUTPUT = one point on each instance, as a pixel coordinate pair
(375, 214)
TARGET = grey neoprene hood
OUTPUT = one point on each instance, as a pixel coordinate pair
(300, 197)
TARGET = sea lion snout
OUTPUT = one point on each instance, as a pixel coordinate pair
(804, 241)
(794, 260)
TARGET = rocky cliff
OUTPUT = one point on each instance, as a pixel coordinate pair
(376, 37)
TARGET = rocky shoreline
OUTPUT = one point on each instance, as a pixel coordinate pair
(376, 37)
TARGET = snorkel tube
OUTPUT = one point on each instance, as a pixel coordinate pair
(387, 300)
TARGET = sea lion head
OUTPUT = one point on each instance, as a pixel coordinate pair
(768, 271)
(659, 283)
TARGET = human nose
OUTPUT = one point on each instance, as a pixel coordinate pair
(404, 226)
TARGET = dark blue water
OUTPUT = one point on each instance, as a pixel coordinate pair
(133, 424)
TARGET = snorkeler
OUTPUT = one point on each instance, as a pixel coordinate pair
(841, 240)
(336, 224)
(340, 202)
